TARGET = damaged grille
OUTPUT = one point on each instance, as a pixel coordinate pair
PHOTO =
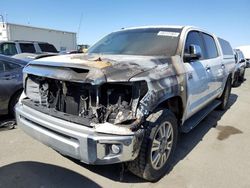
(111, 102)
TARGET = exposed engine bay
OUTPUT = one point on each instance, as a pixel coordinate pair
(115, 103)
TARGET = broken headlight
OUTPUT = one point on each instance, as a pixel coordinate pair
(121, 100)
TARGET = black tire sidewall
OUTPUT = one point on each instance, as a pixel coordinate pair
(13, 101)
(224, 98)
(150, 173)
(236, 79)
(242, 76)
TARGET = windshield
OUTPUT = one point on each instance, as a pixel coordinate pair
(149, 42)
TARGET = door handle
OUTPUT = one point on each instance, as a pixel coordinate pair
(208, 68)
(222, 66)
(8, 77)
(190, 76)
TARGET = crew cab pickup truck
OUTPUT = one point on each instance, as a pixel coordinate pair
(126, 100)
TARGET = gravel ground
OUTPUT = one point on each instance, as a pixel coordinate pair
(214, 154)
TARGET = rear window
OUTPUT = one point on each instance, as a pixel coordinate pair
(27, 48)
(226, 47)
(46, 47)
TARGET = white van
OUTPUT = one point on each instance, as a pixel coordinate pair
(11, 48)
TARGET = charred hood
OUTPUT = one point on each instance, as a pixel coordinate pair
(93, 69)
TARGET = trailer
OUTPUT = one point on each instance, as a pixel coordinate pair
(62, 40)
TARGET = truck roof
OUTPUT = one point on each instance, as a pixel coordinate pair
(167, 26)
(155, 26)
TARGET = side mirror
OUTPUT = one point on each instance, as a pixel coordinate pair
(242, 60)
(235, 57)
(195, 53)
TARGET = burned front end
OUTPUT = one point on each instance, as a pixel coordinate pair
(84, 103)
(95, 121)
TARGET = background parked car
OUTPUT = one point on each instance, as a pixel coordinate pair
(246, 52)
(239, 70)
(30, 56)
(11, 83)
(11, 48)
(247, 63)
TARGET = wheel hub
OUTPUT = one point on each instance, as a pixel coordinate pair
(162, 145)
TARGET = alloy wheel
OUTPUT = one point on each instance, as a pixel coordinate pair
(162, 145)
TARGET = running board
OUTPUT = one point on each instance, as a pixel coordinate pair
(198, 117)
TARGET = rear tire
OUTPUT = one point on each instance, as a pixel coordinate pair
(241, 77)
(158, 146)
(236, 80)
(225, 96)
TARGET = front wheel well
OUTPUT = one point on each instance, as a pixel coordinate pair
(13, 96)
(175, 105)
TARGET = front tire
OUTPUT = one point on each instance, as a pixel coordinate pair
(14, 99)
(158, 146)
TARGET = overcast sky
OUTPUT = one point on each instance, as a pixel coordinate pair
(226, 18)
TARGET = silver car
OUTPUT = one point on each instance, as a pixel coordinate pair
(11, 83)
(239, 71)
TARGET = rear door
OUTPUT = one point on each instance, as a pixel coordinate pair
(214, 66)
(197, 76)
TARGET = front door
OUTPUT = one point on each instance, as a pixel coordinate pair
(9, 83)
(197, 76)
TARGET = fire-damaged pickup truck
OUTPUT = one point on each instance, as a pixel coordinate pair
(126, 100)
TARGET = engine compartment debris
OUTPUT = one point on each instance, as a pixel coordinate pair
(115, 103)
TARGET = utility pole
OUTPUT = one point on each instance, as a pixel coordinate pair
(2, 19)
(79, 27)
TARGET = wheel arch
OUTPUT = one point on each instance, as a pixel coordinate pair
(12, 97)
(175, 105)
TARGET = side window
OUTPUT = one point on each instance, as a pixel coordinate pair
(194, 37)
(241, 56)
(45, 47)
(226, 47)
(8, 49)
(236, 55)
(210, 46)
(10, 66)
(27, 47)
(1, 67)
